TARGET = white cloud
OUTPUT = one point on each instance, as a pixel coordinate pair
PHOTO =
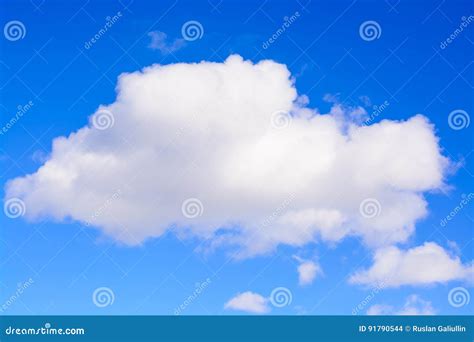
(422, 265)
(248, 302)
(159, 41)
(209, 131)
(414, 305)
(307, 271)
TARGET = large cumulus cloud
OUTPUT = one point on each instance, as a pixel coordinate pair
(237, 138)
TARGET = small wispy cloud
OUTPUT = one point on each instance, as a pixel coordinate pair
(414, 305)
(307, 271)
(421, 265)
(159, 41)
(248, 302)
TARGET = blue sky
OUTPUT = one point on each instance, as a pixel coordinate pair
(407, 66)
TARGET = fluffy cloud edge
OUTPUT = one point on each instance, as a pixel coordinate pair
(248, 301)
(418, 266)
(83, 179)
